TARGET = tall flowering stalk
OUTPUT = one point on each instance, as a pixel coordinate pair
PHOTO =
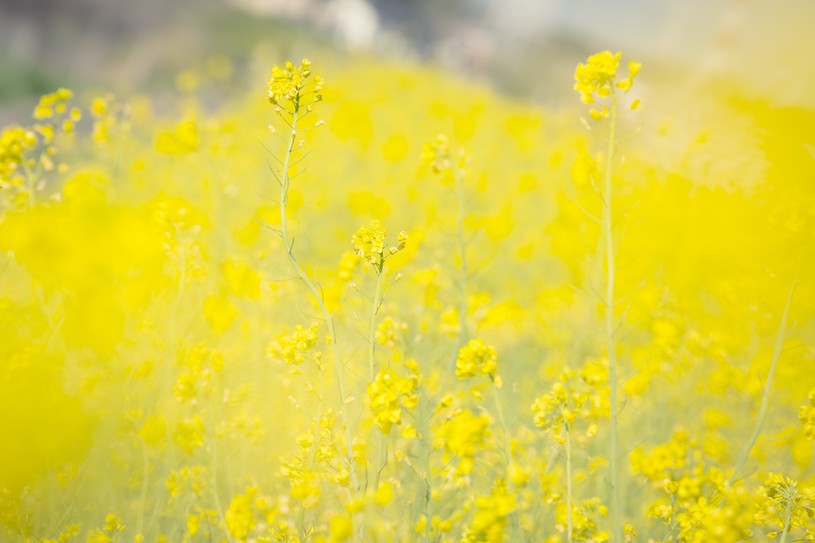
(598, 79)
(369, 245)
(765, 397)
(293, 95)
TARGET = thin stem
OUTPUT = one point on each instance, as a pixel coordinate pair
(786, 524)
(464, 272)
(611, 345)
(381, 457)
(377, 302)
(502, 422)
(569, 522)
(315, 292)
(765, 400)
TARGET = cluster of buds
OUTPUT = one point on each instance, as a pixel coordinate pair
(287, 84)
(295, 348)
(389, 393)
(598, 78)
(369, 244)
(575, 397)
(477, 358)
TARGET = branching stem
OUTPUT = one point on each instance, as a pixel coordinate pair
(316, 294)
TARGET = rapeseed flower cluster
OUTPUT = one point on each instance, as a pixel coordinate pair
(295, 348)
(369, 244)
(575, 397)
(388, 394)
(475, 359)
(598, 79)
(288, 82)
(782, 505)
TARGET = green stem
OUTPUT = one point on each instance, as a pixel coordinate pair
(464, 272)
(462, 248)
(786, 524)
(377, 302)
(611, 344)
(381, 458)
(779, 341)
(315, 292)
(372, 329)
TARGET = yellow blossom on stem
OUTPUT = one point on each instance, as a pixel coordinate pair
(369, 244)
(598, 79)
(388, 394)
(476, 358)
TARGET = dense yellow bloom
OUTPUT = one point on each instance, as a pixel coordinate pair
(598, 79)
(490, 518)
(341, 528)
(712, 521)
(369, 244)
(189, 434)
(14, 142)
(288, 82)
(295, 348)
(476, 358)
(462, 435)
(782, 504)
(585, 516)
(571, 399)
(388, 394)
(239, 517)
(436, 154)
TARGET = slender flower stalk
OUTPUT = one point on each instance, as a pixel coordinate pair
(598, 79)
(287, 86)
(375, 305)
(611, 341)
(768, 384)
(464, 271)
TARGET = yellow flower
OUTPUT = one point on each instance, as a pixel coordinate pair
(388, 394)
(369, 244)
(288, 82)
(490, 518)
(476, 358)
(597, 79)
(597, 75)
(294, 348)
(436, 154)
(341, 528)
(782, 504)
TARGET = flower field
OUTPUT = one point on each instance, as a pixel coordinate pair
(365, 300)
